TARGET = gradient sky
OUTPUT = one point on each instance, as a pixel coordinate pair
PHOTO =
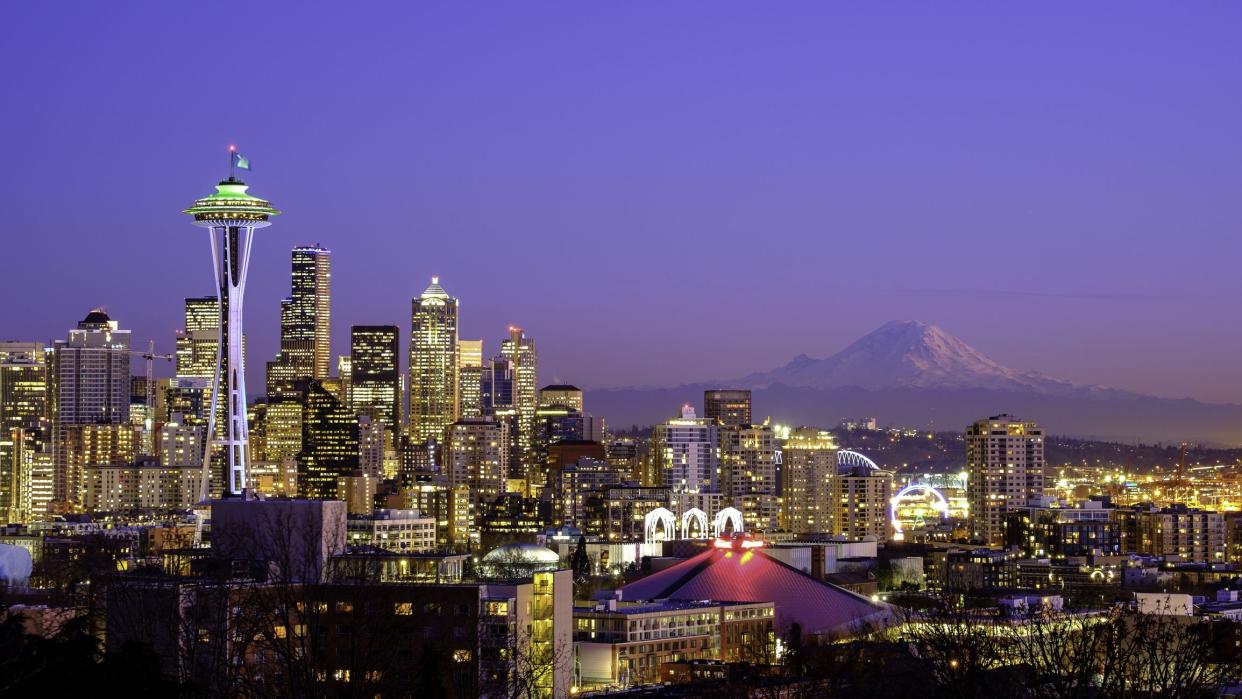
(658, 192)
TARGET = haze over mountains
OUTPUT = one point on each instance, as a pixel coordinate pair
(912, 373)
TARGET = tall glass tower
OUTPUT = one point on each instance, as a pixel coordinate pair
(231, 216)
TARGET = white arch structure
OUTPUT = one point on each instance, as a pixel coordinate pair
(729, 515)
(660, 516)
(692, 516)
(851, 459)
(939, 504)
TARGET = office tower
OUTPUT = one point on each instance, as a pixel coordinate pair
(730, 408)
(475, 463)
(497, 388)
(748, 472)
(92, 382)
(305, 317)
(374, 373)
(433, 363)
(1005, 468)
(523, 363)
(470, 378)
(687, 453)
(198, 345)
(329, 442)
(231, 216)
(282, 427)
(562, 395)
(809, 463)
(557, 423)
(860, 503)
(23, 405)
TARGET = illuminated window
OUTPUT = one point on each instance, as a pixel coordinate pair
(403, 609)
(461, 656)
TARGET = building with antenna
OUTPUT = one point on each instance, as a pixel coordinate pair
(231, 216)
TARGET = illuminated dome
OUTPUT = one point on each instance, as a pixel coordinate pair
(518, 560)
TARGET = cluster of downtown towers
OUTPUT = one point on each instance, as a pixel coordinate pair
(74, 405)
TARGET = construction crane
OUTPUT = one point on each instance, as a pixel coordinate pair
(150, 356)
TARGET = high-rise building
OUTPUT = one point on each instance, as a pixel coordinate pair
(561, 394)
(687, 453)
(93, 367)
(305, 317)
(180, 443)
(809, 464)
(497, 388)
(80, 447)
(232, 216)
(433, 363)
(1005, 469)
(476, 461)
(374, 375)
(92, 371)
(470, 378)
(728, 407)
(860, 503)
(329, 442)
(523, 362)
(748, 472)
(23, 406)
(198, 345)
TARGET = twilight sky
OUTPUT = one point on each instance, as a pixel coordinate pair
(658, 192)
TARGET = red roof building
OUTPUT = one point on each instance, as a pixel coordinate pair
(730, 572)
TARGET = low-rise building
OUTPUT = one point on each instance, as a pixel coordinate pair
(401, 531)
(622, 644)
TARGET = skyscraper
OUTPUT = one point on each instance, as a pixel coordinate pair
(523, 362)
(329, 442)
(475, 462)
(375, 374)
(861, 499)
(686, 450)
(23, 401)
(1005, 468)
(305, 317)
(198, 345)
(748, 472)
(93, 386)
(809, 464)
(433, 363)
(730, 408)
(470, 378)
(231, 216)
(93, 367)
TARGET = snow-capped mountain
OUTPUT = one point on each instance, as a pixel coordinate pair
(913, 373)
(907, 354)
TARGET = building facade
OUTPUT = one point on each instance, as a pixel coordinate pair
(1005, 469)
(433, 363)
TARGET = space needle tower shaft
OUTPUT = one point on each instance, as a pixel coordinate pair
(231, 216)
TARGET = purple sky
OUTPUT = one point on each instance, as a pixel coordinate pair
(658, 192)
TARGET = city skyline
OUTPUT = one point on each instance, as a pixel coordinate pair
(1102, 135)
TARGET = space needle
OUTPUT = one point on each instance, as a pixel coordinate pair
(231, 216)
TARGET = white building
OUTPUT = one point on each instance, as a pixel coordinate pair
(402, 531)
(687, 452)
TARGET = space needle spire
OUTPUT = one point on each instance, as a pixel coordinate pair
(231, 216)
